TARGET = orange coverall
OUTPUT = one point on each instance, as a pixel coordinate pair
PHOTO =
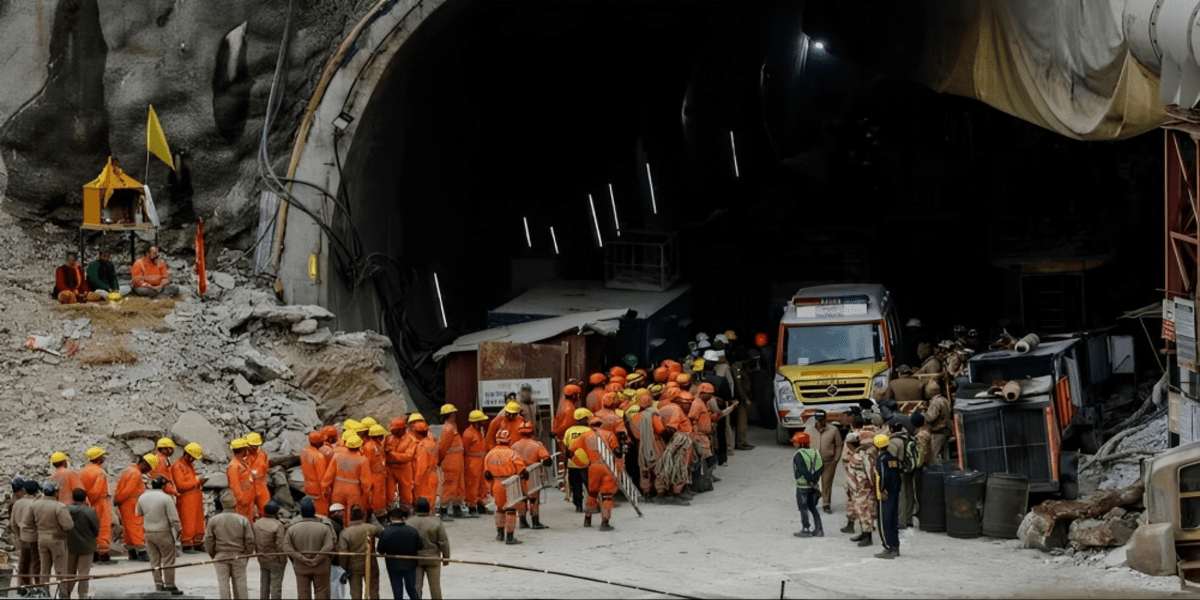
(564, 418)
(646, 472)
(67, 481)
(452, 455)
(189, 502)
(129, 489)
(399, 452)
(313, 464)
(593, 401)
(164, 469)
(602, 484)
(259, 464)
(531, 452)
(476, 451)
(348, 481)
(502, 421)
(425, 475)
(241, 483)
(503, 462)
(94, 481)
(377, 500)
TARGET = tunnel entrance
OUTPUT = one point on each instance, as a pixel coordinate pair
(494, 114)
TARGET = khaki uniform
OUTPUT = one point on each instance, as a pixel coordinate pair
(301, 541)
(53, 521)
(931, 366)
(355, 539)
(436, 546)
(268, 539)
(24, 533)
(860, 486)
(937, 421)
(229, 534)
(829, 444)
(905, 389)
(160, 520)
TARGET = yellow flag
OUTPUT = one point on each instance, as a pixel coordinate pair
(156, 142)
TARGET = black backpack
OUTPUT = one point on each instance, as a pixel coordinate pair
(910, 454)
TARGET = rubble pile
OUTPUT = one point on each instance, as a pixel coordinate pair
(1085, 530)
(214, 368)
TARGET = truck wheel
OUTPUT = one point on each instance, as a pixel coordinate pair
(782, 434)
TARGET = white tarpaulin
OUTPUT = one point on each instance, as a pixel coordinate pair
(602, 322)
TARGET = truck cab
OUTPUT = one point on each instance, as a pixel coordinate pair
(837, 345)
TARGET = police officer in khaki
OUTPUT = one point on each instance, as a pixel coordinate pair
(827, 441)
(53, 521)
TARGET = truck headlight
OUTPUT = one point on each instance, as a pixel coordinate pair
(785, 394)
(880, 382)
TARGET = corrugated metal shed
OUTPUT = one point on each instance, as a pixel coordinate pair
(603, 322)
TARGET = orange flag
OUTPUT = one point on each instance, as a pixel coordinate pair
(201, 276)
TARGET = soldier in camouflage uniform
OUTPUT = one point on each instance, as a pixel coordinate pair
(860, 485)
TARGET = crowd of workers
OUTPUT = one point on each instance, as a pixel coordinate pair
(97, 282)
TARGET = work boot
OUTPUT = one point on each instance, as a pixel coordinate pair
(849, 528)
(537, 524)
(578, 508)
(459, 514)
(818, 532)
(143, 556)
(860, 536)
(604, 526)
(174, 590)
(828, 509)
(866, 541)
(442, 514)
(510, 540)
(158, 587)
(523, 522)
(482, 509)
(472, 512)
(133, 555)
(587, 521)
(803, 533)
(499, 534)
(888, 553)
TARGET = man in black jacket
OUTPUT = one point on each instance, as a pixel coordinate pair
(401, 539)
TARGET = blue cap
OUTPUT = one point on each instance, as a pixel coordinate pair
(18, 483)
(422, 505)
(308, 509)
(49, 487)
(272, 507)
(32, 486)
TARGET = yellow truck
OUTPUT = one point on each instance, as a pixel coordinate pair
(837, 345)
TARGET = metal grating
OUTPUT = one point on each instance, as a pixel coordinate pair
(1008, 439)
(642, 260)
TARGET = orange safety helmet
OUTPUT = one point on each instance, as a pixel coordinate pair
(572, 390)
(684, 379)
(760, 339)
(400, 422)
(597, 379)
(671, 393)
(686, 396)
(660, 374)
(800, 438)
(610, 400)
(705, 387)
(613, 388)
(316, 437)
(617, 372)
(595, 422)
(619, 381)
(671, 385)
(420, 426)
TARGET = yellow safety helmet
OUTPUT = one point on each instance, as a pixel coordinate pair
(58, 457)
(448, 408)
(151, 460)
(730, 335)
(165, 443)
(629, 392)
(583, 413)
(633, 410)
(512, 408)
(881, 440)
(194, 450)
(238, 444)
(377, 429)
(415, 417)
(698, 365)
(253, 439)
(349, 425)
(114, 296)
(94, 452)
(346, 435)
(367, 422)
(354, 441)
(476, 416)
(621, 413)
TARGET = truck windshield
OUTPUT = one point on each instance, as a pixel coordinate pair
(832, 344)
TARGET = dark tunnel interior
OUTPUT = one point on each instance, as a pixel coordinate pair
(495, 111)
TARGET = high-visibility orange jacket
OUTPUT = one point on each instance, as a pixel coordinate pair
(67, 481)
(569, 438)
(475, 486)
(531, 452)
(502, 462)
(348, 480)
(95, 482)
(313, 464)
(502, 421)
(189, 503)
(564, 418)
(612, 422)
(656, 425)
(260, 464)
(378, 498)
(425, 475)
(129, 488)
(595, 399)
(673, 416)
(587, 448)
(452, 459)
(241, 483)
(164, 470)
(399, 453)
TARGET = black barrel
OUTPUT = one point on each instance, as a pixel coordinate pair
(932, 513)
(964, 503)
(1004, 508)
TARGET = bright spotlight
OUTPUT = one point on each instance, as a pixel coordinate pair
(819, 46)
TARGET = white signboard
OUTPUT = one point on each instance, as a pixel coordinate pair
(492, 393)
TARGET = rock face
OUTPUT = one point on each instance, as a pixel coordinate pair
(82, 73)
(1098, 532)
(351, 381)
(193, 427)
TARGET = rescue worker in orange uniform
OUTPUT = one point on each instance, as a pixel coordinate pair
(313, 464)
(348, 476)
(675, 421)
(189, 501)
(501, 463)
(241, 479)
(531, 451)
(94, 481)
(425, 461)
(377, 502)
(613, 421)
(129, 488)
(398, 454)
(452, 459)
(330, 434)
(509, 420)
(597, 381)
(66, 479)
(576, 471)
(164, 450)
(474, 484)
(565, 417)
(602, 483)
(260, 464)
(649, 442)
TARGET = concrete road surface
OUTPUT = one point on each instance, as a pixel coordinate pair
(733, 542)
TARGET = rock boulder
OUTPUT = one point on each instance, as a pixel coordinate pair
(193, 427)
